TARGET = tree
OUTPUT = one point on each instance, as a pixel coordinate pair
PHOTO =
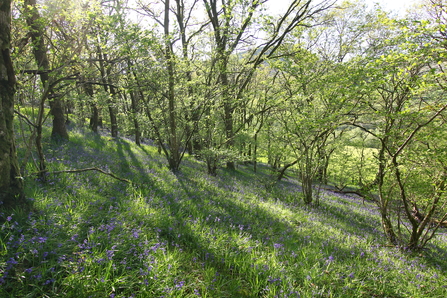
(313, 109)
(37, 34)
(174, 103)
(54, 64)
(405, 109)
(227, 36)
(11, 183)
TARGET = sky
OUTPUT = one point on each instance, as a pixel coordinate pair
(399, 6)
(280, 6)
(396, 5)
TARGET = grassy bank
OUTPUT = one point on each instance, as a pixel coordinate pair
(193, 235)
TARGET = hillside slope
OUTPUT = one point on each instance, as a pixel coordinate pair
(194, 235)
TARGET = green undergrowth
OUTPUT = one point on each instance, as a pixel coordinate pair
(195, 235)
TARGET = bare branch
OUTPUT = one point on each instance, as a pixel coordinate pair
(87, 170)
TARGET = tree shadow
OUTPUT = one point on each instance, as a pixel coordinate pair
(226, 216)
(221, 208)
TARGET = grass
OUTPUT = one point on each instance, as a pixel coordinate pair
(194, 235)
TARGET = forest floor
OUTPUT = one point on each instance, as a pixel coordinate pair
(195, 235)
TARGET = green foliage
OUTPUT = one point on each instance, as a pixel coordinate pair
(401, 106)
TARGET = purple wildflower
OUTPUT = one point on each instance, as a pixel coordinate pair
(180, 284)
(49, 281)
(277, 245)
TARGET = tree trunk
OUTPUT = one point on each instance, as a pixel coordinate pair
(228, 114)
(39, 147)
(322, 169)
(11, 184)
(134, 112)
(94, 118)
(192, 115)
(255, 153)
(211, 163)
(388, 227)
(383, 202)
(109, 89)
(112, 109)
(306, 183)
(113, 121)
(59, 131)
(174, 156)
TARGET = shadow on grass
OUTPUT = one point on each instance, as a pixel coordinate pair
(226, 217)
(221, 208)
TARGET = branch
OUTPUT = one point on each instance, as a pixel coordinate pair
(90, 169)
(283, 170)
(25, 118)
(97, 83)
(70, 77)
(300, 12)
(365, 197)
(410, 137)
(36, 71)
(364, 129)
(254, 5)
(419, 217)
(47, 71)
(111, 61)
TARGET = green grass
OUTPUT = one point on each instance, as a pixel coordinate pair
(194, 235)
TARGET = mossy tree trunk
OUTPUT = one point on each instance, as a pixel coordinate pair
(11, 184)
